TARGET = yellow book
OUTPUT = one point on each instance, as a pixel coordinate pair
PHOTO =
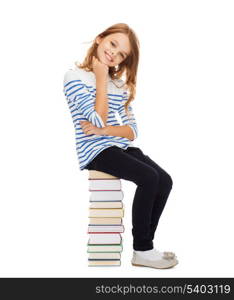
(93, 174)
(106, 212)
(93, 263)
(106, 204)
(105, 221)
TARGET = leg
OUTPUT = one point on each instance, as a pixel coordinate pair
(117, 162)
(164, 188)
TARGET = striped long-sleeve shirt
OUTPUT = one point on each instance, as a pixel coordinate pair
(80, 92)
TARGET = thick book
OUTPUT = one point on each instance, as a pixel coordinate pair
(104, 263)
(104, 255)
(104, 239)
(105, 228)
(106, 196)
(105, 221)
(106, 212)
(106, 204)
(105, 248)
(99, 174)
(104, 184)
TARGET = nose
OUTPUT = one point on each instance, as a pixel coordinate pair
(113, 53)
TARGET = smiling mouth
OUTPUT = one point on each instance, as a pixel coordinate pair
(108, 57)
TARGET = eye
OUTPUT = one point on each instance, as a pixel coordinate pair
(114, 46)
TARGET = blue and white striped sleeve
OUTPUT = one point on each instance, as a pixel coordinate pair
(77, 93)
(130, 121)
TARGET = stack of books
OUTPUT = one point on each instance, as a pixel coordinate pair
(106, 211)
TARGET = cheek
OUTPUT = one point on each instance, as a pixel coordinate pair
(102, 51)
(100, 54)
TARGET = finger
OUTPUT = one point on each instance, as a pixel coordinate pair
(87, 123)
(84, 122)
(87, 131)
(84, 126)
(90, 131)
(84, 129)
(88, 126)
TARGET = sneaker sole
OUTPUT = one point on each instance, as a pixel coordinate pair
(156, 267)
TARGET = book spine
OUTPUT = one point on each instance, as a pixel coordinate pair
(105, 212)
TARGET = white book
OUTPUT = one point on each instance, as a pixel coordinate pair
(105, 248)
(104, 255)
(104, 238)
(106, 196)
(104, 184)
(105, 228)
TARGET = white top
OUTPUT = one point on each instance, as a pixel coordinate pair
(80, 92)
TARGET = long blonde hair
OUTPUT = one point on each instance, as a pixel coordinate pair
(129, 65)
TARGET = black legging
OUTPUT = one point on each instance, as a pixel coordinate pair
(153, 188)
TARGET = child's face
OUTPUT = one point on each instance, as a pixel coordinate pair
(118, 47)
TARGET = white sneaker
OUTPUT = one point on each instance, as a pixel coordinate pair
(167, 260)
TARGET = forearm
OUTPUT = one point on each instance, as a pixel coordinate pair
(123, 131)
(101, 104)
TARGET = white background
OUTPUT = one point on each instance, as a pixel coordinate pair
(184, 114)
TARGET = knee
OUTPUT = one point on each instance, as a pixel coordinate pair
(167, 180)
(150, 178)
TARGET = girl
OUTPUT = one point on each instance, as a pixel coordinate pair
(95, 93)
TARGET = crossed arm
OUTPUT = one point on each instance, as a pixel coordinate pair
(123, 130)
(101, 108)
(96, 113)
